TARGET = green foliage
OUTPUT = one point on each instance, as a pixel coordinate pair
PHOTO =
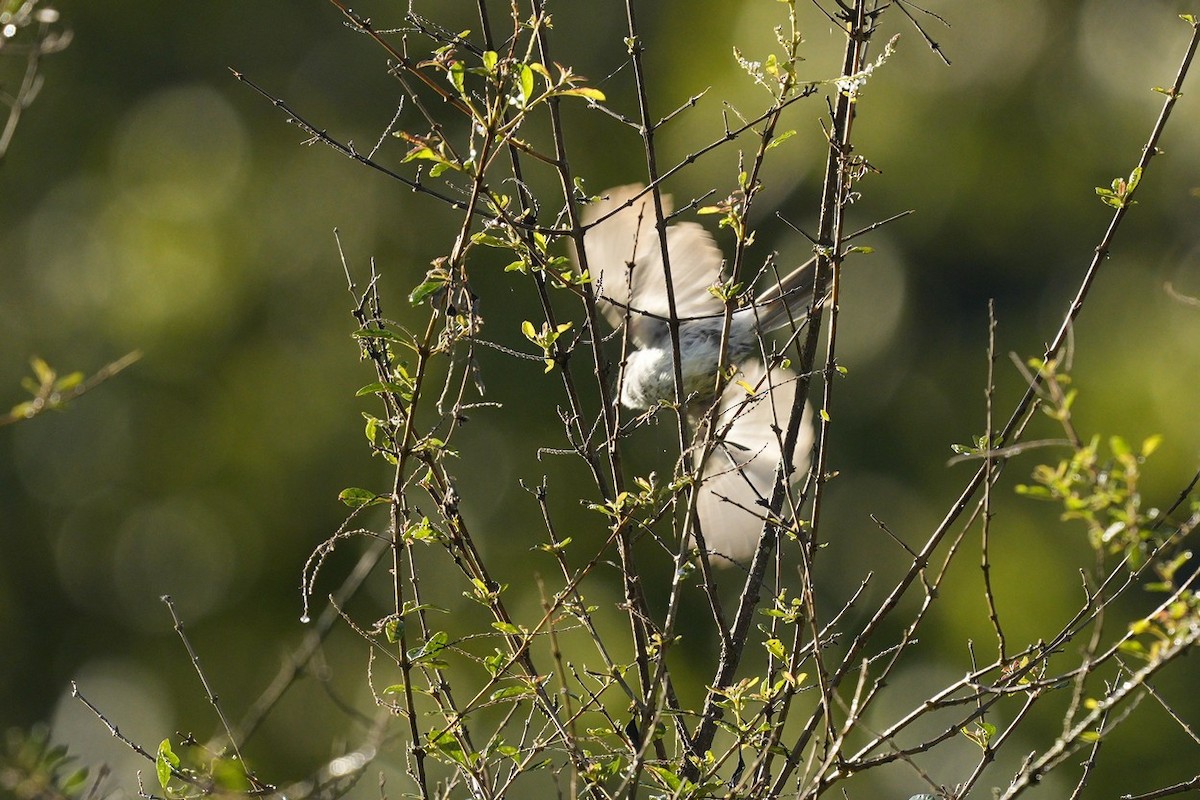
(981, 734)
(198, 773)
(1099, 487)
(594, 655)
(429, 653)
(1121, 193)
(33, 769)
(547, 339)
(778, 74)
(496, 95)
(53, 392)
(360, 498)
(1149, 637)
(435, 280)
(166, 764)
(628, 503)
(1096, 485)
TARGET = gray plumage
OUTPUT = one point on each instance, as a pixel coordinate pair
(624, 257)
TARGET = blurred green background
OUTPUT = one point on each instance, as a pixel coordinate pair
(151, 202)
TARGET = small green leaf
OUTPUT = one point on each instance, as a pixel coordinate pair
(780, 139)
(1135, 178)
(555, 547)
(669, 778)
(421, 531)
(372, 428)
(73, 783)
(359, 498)
(510, 691)
(775, 648)
(377, 333)
(489, 240)
(422, 154)
(457, 74)
(425, 290)
(506, 627)
(69, 382)
(43, 371)
(371, 388)
(1132, 647)
(445, 743)
(524, 84)
(1119, 446)
(490, 59)
(494, 662)
(165, 763)
(1151, 444)
(584, 91)
(981, 734)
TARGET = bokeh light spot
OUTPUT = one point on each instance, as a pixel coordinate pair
(181, 154)
(179, 546)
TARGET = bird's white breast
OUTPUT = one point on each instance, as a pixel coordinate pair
(650, 373)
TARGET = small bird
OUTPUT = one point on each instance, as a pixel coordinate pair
(624, 257)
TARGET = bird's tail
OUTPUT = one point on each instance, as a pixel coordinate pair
(788, 300)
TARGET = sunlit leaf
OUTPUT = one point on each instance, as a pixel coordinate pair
(358, 498)
(165, 762)
(425, 290)
(584, 91)
(780, 139)
(525, 83)
(457, 74)
(510, 692)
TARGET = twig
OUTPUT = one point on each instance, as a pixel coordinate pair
(212, 697)
(49, 397)
(985, 544)
(1178, 788)
(112, 728)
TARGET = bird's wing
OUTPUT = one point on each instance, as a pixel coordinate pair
(738, 477)
(629, 237)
